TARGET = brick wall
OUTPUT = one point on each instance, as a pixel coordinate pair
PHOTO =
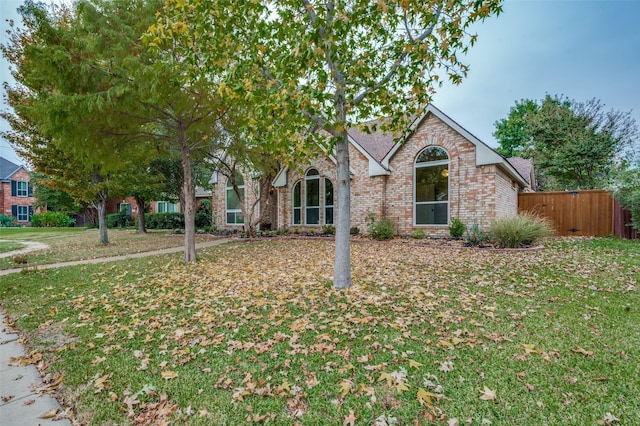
(8, 200)
(476, 194)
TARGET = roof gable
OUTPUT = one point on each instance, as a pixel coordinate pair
(8, 169)
(485, 155)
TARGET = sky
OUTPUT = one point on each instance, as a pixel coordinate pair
(581, 49)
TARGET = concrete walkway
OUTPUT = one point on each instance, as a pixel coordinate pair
(23, 398)
(29, 247)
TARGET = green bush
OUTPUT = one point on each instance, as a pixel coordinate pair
(520, 230)
(475, 236)
(419, 234)
(354, 230)
(164, 220)
(51, 220)
(382, 229)
(7, 221)
(203, 215)
(456, 228)
(328, 229)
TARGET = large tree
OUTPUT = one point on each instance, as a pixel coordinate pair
(95, 89)
(574, 145)
(331, 65)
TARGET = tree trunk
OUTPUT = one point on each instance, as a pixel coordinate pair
(102, 220)
(189, 196)
(142, 226)
(342, 262)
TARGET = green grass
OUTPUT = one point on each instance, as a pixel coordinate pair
(255, 331)
(9, 246)
(69, 244)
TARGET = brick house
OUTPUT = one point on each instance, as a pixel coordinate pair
(438, 172)
(16, 192)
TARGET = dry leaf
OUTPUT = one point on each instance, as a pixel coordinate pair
(349, 420)
(49, 414)
(580, 350)
(168, 374)
(488, 394)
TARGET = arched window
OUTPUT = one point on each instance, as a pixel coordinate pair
(234, 210)
(328, 202)
(431, 187)
(312, 197)
(297, 203)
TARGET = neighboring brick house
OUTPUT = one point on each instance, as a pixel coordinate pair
(439, 171)
(16, 192)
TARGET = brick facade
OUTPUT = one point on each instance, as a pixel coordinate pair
(482, 185)
(9, 201)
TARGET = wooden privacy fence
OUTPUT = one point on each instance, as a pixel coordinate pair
(588, 213)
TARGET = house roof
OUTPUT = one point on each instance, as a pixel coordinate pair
(524, 166)
(377, 144)
(8, 169)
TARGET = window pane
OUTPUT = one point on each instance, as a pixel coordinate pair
(297, 189)
(297, 220)
(239, 218)
(432, 154)
(313, 192)
(313, 172)
(328, 192)
(432, 214)
(233, 203)
(432, 183)
(22, 188)
(313, 216)
(328, 215)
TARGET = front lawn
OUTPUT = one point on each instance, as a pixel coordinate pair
(255, 333)
(6, 246)
(68, 244)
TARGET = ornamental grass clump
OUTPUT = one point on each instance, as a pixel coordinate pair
(521, 230)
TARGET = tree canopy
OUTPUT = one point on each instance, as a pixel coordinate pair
(574, 145)
(326, 66)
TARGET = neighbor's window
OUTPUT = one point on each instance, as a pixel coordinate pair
(328, 202)
(23, 214)
(297, 203)
(22, 188)
(167, 207)
(431, 186)
(312, 197)
(234, 211)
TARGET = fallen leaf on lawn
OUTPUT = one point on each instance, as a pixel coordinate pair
(488, 394)
(49, 414)
(608, 419)
(100, 383)
(414, 364)
(530, 349)
(349, 420)
(453, 422)
(580, 350)
(571, 380)
(168, 374)
(529, 387)
(446, 366)
(345, 386)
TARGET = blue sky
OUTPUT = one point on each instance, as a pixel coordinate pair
(579, 48)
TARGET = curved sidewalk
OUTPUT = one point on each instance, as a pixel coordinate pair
(24, 400)
(115, 258)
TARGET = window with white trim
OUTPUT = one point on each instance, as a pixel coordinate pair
(23, 213)
(317, 198)
(22, 188)
(167, 207)
(431, 187)
(297, 203)
(312, 197)
(328, 202)
(234, 210)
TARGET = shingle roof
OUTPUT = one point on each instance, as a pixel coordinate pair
(7, 168)
(524, 166)
(377, 144)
